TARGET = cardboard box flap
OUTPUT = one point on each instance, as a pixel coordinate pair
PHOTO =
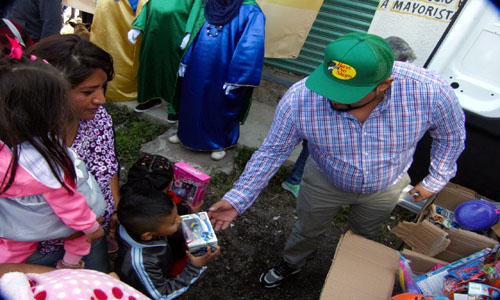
(423, 237)
(450, 197)
(453, 194)
(421, 263)
(464, 243)
(361, 269)
(496, 229)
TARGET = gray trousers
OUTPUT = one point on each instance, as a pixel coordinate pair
(318, 203)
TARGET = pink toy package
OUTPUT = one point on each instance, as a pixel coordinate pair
(189, 184)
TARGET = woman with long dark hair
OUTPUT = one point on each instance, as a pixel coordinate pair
(90, 134)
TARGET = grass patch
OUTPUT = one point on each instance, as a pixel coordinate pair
(221, 183)
(131, 132)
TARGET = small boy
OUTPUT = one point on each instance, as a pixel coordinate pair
(150, 244)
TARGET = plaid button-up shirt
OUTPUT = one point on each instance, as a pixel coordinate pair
(362, 157)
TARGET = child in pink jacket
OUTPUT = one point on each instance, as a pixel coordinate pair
(39, 190)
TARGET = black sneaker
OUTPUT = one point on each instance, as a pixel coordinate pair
(274, 276)
(147, 105)
(172, 118)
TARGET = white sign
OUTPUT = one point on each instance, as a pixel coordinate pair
(83, 5)
(419, 22)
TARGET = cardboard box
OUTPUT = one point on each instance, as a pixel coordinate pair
(433, 283)
(189, 184)
(447, 245)
(198, 233)
(364, 269)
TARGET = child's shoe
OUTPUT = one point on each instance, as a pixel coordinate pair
(63, 265)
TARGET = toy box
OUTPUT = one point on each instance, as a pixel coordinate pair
(448, 244)
(189, 184)
(198, 233)
(365, 269)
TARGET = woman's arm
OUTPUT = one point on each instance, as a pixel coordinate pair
(115, 192)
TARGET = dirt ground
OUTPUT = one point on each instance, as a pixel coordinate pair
(252, 245)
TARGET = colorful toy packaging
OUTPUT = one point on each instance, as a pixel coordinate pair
(406, 276)
(475, 277)
(189, 184)
(442, 217)
(440, 283)
(198, 233)
(479, 291)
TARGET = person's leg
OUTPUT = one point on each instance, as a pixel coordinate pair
(292, 183)
(371, 210)
(75, 250)
(295, 176)
(172, 115)
(46, 259)
(145, 105)
(98, 258)
(16, 251)
(317, 205)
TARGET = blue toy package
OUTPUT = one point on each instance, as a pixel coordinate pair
(442, 217)
(479, 291)
(432, 283)
(198, 233)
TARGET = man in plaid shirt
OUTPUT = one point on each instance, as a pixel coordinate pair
(362, 115)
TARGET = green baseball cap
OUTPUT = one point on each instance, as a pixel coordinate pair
(354, 64)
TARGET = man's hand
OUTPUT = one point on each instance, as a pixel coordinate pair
(222, 214)
(420, 193)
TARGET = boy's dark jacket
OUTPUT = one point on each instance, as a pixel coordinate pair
(146, 266)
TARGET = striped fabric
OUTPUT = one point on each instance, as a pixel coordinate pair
(362, 157)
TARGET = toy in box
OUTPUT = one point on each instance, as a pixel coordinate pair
(198, 233)
(189, 184)
(442, 217)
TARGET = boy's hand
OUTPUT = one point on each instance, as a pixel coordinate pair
(201, 261)
(96, 235)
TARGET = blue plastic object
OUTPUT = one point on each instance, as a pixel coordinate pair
(476, 215)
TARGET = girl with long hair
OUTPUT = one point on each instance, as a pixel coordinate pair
(36, 168)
